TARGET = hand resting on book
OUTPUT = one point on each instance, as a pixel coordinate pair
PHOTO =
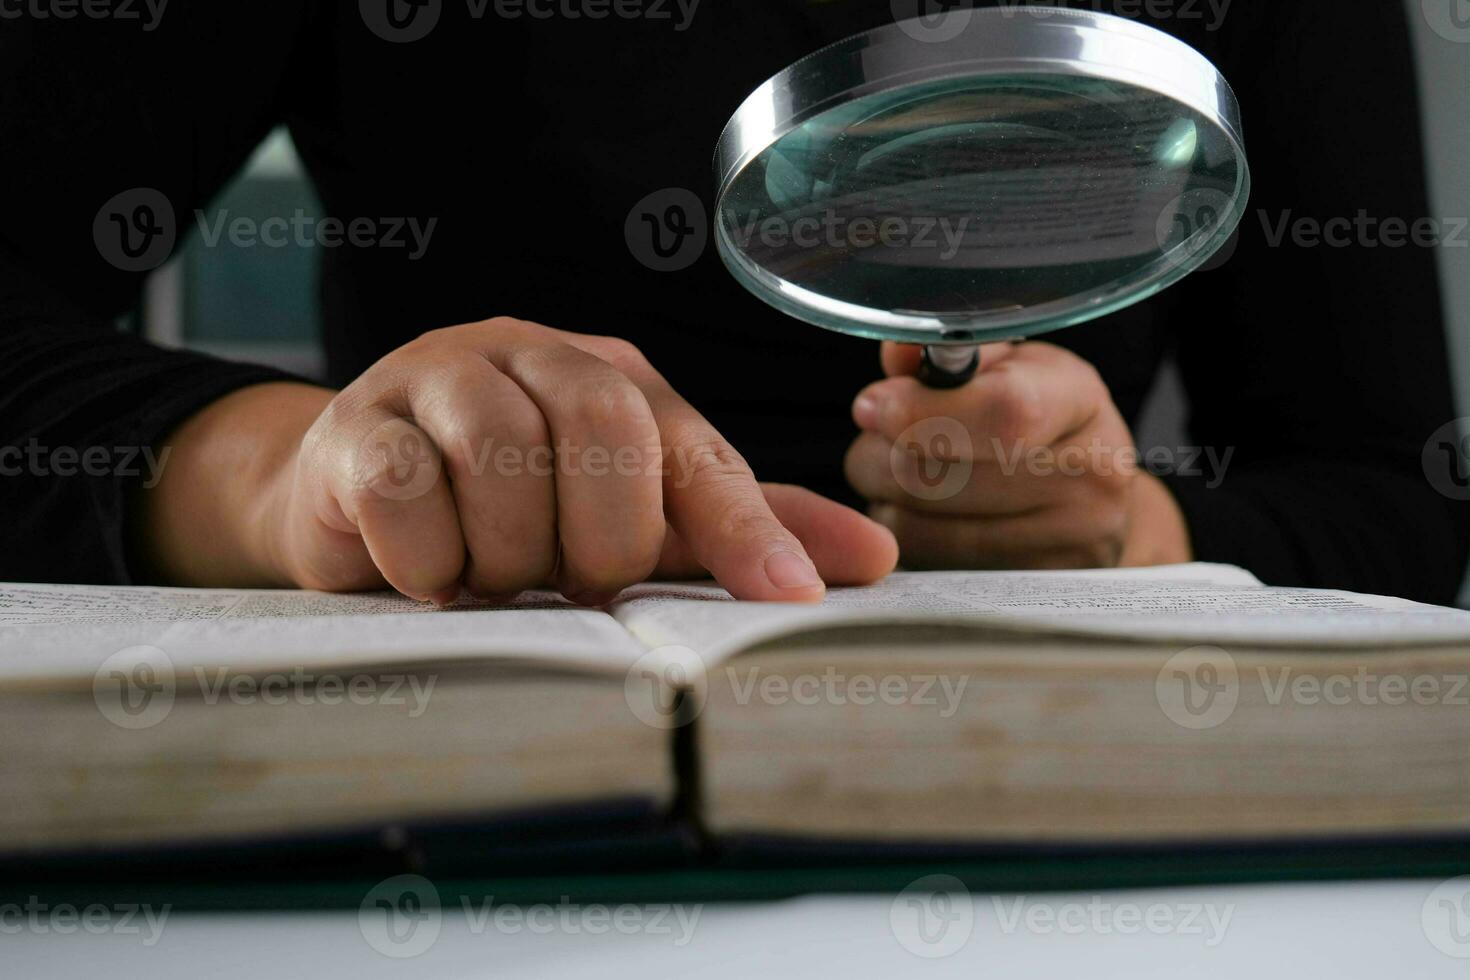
(500, 456)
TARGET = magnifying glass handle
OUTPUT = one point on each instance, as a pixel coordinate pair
(948, 367)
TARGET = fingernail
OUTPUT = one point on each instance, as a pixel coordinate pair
(787, 570)
(865, 412)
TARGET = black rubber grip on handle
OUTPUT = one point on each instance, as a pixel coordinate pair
(946, 368)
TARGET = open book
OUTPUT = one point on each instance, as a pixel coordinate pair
(1185, 704)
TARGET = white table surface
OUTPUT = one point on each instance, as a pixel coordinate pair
(1384, 929)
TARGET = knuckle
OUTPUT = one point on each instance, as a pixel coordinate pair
(606, 578)
(477, 425)
(372, 470)
(452, 380)
(611, 572)
(619, 352)
(520, 423)
(397, 462)
(1016, 409)
(344, 410)
(527, 360)
(1111, 486)
(1102, 544)
(712, 460)
(496, 326)
(1089, 378)
(611, 404)
(362, 494)
(750, 524)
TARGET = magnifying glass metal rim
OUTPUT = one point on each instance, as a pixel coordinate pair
(994, 41)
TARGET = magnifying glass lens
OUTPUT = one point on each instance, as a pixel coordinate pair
(1027, 175)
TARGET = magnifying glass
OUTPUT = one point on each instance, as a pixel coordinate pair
(989, 174)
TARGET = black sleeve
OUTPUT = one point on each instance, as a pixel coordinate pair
(1322, 368)
(100, 118)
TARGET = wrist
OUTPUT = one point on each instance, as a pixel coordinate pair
(217, 516)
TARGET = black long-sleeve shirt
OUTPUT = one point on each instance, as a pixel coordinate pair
(1321, 370)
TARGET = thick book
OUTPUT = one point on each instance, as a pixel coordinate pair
(932, 714)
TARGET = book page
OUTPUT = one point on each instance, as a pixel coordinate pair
(1186, 603)
(55, 631)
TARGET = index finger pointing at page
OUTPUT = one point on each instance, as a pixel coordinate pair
(712, 500)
